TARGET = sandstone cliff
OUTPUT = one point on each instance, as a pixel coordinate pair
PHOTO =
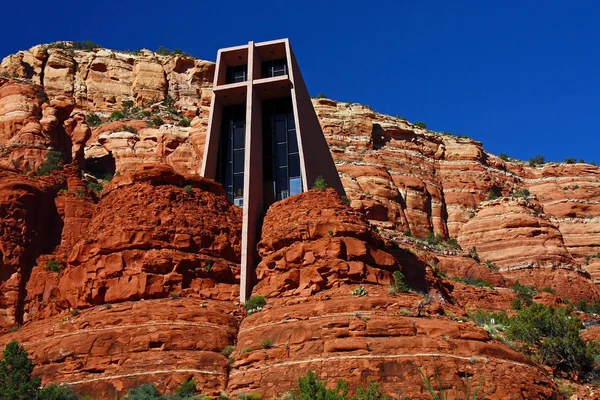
(145, 269)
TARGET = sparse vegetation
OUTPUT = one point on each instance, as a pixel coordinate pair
(155, 122)
(321, 96)
(209, 265)
(187, 188)
(537, 160)
(129, 128)
(163, 51)
(570, 160)
(320, 183)
(494, 193)
(491, 266)
(227, 350)
(359, 291)
(399, 286)
(185, 122)
(421, 124)
(85, 45)
(503, 157)
(311, 388)
(75, 312)
(117, 115)
(254, 304)
(52, 163)
(53, 266)
(472, 281)
(330, 233)
(266, 344)
(96, 187)
(93, 119)
(522, 192)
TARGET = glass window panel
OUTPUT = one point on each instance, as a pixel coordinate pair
(291, 122)
(292, 142)
(239, 134)
(295, 186)
(294, 165)
(282, 179)
(281, 155)
(238, 184)
(238, 201)
(280, 132)
(238, 161)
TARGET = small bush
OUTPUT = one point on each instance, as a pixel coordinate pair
(503, 157)
(52, 163)
(491, 266)
(570, 160)
(311, 388)
(155, 122)
(107, 306)
(85, 45)
(321, 96)
(523, 192)
(399, 286)
(186, 389)
(421, 124)
(359, 291)
(537, 160)
(452, 242)
(147, 391)
(254, 304)
(127, 104)
(266, 344)
(175, 295)
(184, 122)
(330, 233)
(129, 128)
(53, 266)
(93, 120)
(320, 183)
(227, 350)
(476, 282)
(75, 312)
(548, 289)
(187, 188)
(346, 200)
(57, 392)
(555, 331)
(246, 350)
(117, 115)
(96, 187)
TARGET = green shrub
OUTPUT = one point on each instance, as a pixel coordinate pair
(523, 192)
(186, 389)
(129, 128)
(184, 122)
(321, 96)
(359, 291)
(266, 344)
(147, 391)
(503, 157)
(346, 200)
(330, 233)
(187, 188)
(555, 331)
(96, 187)
(93, 119)
(15, 374)
(548, 289)
(491, 266)
(246, 350)
(311, 388)
(482, 318)
(117, 115)
(75, 312)
(227, 350)
(57, 392)
(155, 122)
(421, 124)
(570, 160)
(452, 242)
(537, 160)
(523, 289)
(320, 183)
(127, 104)
(52, 163)
(209, 265)
(85, 45)
(399, 286)
(254, 304)
(53, 266)
(476, 282)
(433, 239)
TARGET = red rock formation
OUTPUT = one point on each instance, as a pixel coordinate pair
(106, 350)
(151, 238)
(309, 246)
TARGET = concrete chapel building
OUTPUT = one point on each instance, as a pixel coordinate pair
(264, 141)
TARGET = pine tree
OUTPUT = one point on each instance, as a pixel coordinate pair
(15, 374)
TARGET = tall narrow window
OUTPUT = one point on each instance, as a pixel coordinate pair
(230, 165)
(236, 74)
(273, 68)
(281, 168)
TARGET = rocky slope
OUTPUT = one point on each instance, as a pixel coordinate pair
(145, 269)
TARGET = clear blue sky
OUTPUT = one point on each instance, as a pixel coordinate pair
(521, 76)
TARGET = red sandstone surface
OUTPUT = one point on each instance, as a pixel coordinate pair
(149, 267)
